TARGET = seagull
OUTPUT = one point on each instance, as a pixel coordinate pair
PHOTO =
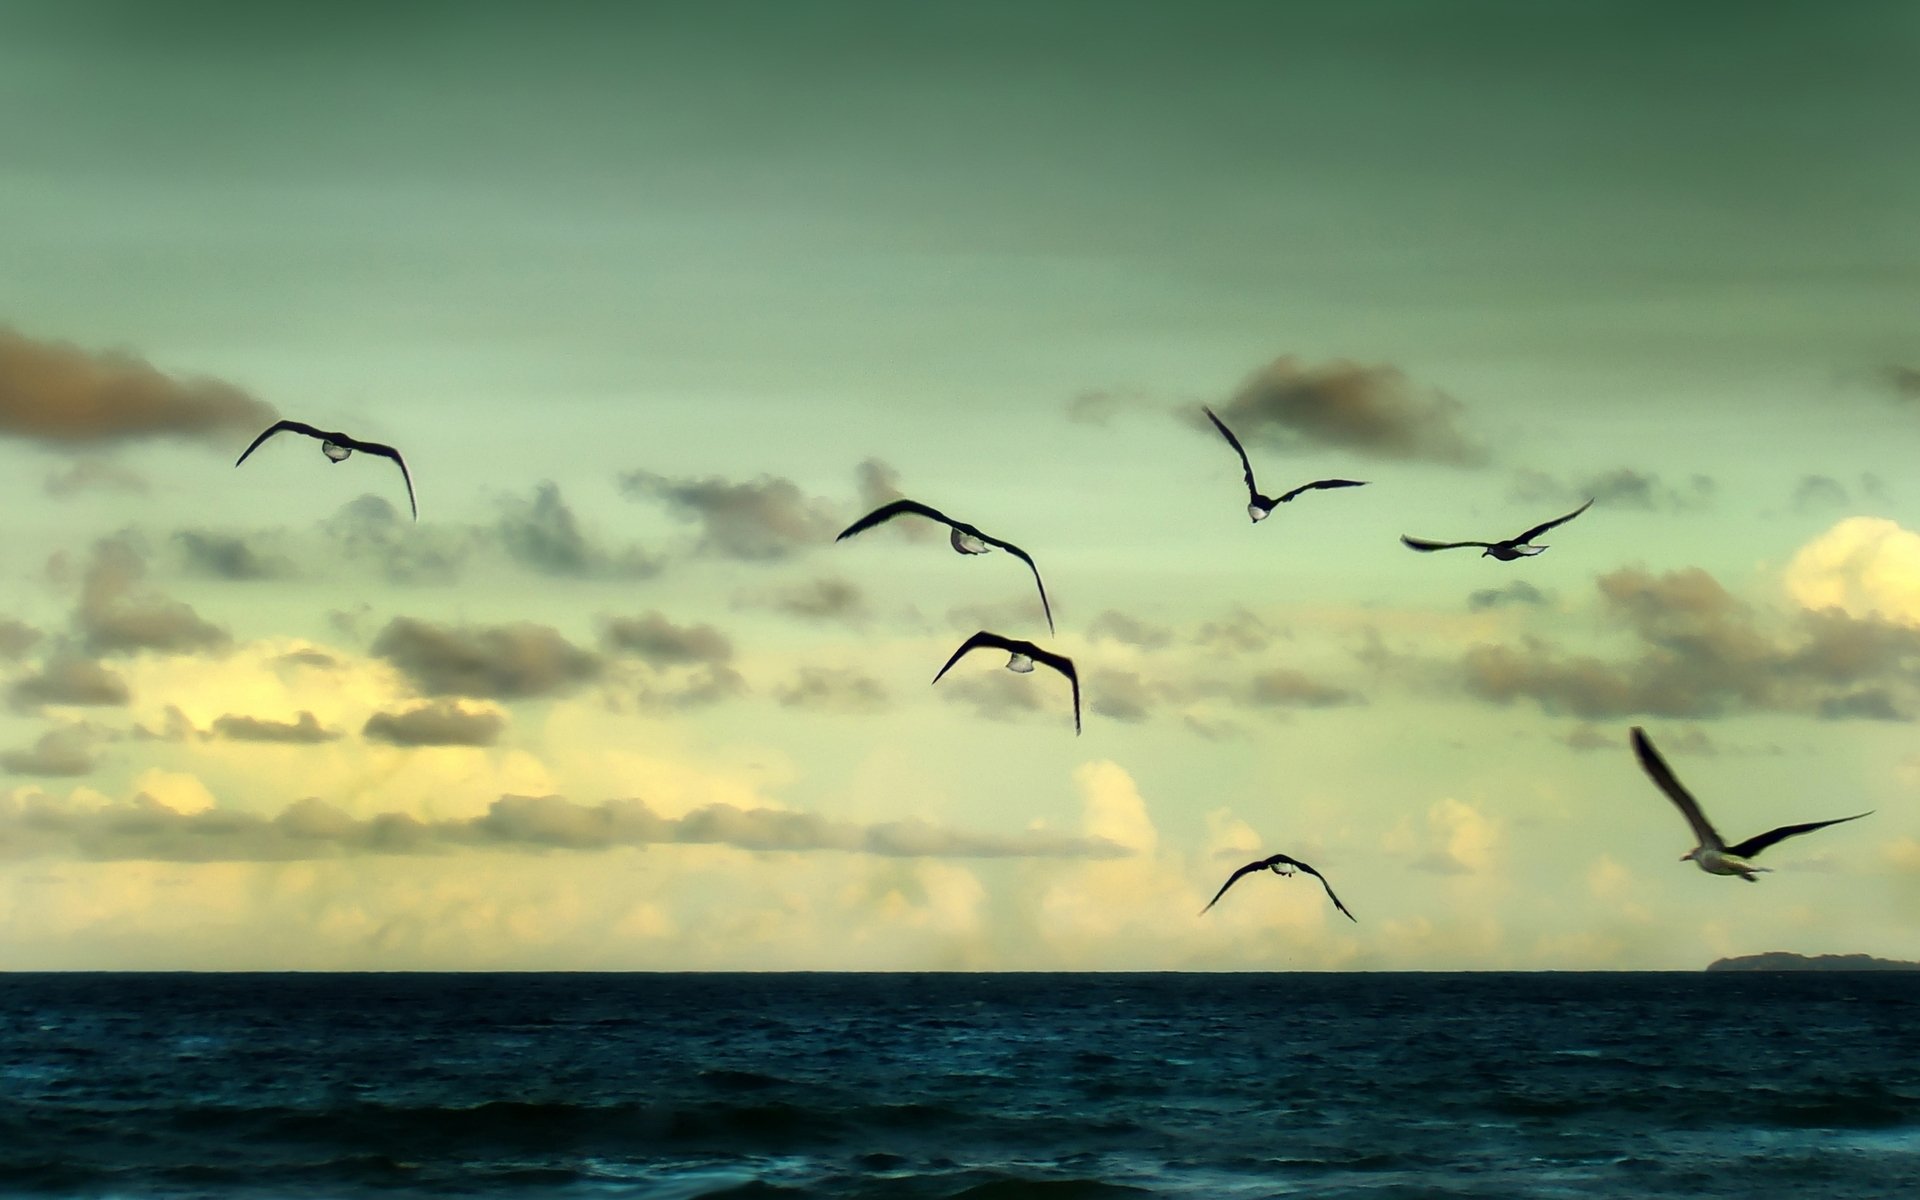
(1259, 507)
(964, 537)
(1282, 866)
(337, 446)
(1505, 551)
(1714, 856)
(1025, 654)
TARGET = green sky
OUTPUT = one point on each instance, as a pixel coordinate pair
(657, 298)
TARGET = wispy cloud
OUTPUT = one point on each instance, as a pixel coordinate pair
(94, 475)
(229, 556)
(833, 689)
(34, 825)
(1621, 487)
(544, 535)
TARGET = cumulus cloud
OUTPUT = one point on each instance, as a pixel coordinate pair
(1121, 695)
(67, 679)
(225, 556)
(1619, 488)
(833, 689)
(305, 730)
(1239, 632)
(67, 751)
(1864, 567)
(63, 397)
(544, 535)
(94, 475)
(436, 723)
(1518, 592)
(1005, 696)
(497, 662)
(1700, 652)
(1368, 410)
(116, 616)
(763, 520)
(146, 827)
(1454, 838)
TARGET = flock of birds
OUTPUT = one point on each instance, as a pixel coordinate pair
(1713, 855)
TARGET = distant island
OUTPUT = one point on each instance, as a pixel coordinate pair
(1780, 960)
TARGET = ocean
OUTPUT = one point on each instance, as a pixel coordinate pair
(988, 1087)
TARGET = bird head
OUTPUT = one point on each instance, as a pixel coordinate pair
(1693, 855)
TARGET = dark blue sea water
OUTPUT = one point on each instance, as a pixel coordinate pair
(981, 1086)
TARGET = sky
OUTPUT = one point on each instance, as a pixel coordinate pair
(657, 299)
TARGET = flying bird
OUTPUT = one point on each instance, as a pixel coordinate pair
(1025, 654)
(1282, 866)
(964, 538)
(1259, 507)
(337, 446)
(1713, 855)
(1505, 551)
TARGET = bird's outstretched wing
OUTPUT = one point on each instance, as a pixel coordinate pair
(1026, 558)
(1541, 528)
(1320, 483)
(1252, 491)
(1064, 665)
(1323, 883)
(1756, 844)
(386, 451)
(887, 512)
(1234, 878)
(1662, 775)
(280, 427)
(992, 640)
(1423, 545)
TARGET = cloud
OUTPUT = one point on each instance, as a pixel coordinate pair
(370, 529)
(145, 827)
(1454, 839)
(1101, 407)
(305, 730)
(1904, 382)
(1518, 592)
(658, 642)
(1699, 652)
(67, 751)
(436, 723)
(64, 397)
(667, 650)
(1620, 488)
(833, 689)
(764, 520)
(497, 662)
(115, 617)
(1864, 566)
(1120, 695)
(94, 475)
(224, 556)
(1003, 695)
(69, 680)
(1285, 688)
(544, 535)
(1820, 491)
(1588, 736)
(16, 638)
(1371, 411)
(1128, 631)
(822, 600)
(1240, 632)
